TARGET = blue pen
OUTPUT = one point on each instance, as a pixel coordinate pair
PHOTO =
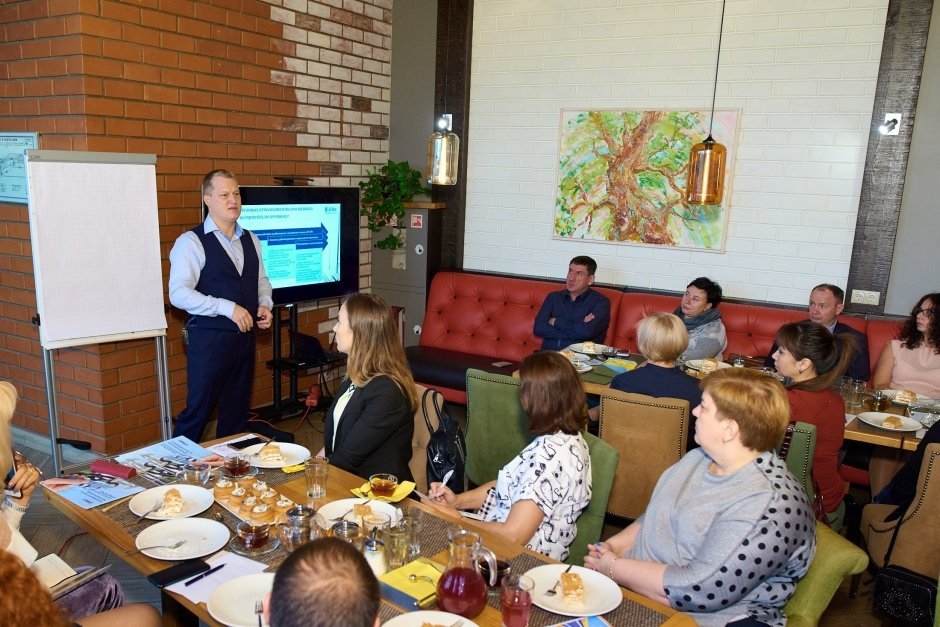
(204, 575)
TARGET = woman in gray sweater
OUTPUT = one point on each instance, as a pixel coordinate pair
(728, 530)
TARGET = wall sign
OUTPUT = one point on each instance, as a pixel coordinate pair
(13, 147)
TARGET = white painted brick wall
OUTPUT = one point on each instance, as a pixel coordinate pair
(803, 75)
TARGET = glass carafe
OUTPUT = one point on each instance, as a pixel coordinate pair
(462, 589)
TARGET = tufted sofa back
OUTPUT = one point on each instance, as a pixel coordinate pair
(489, 315)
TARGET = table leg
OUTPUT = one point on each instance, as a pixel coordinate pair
(175, 613)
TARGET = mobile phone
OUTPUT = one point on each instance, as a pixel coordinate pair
(243, 444)
(177, 572)
(6, 482)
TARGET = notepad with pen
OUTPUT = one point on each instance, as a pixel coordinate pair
(410, 595)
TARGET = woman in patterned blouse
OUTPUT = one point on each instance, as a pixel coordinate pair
(728, 530)
(538, 496)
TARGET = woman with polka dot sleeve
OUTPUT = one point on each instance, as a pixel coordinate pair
(728, 530)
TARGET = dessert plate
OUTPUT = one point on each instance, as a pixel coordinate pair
(601, 594)
(877, 418)
(292, 455)
(233, 602)
(202, 537)
(196, 500)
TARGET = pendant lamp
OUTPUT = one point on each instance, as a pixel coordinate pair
(443, 144)
(706, 175)
(443, 153)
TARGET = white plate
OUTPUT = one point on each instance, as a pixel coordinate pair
(335, 509)
(416, 619)
(696, 364)
(581, 366)
(579, 348)
(875, 418)
(233, 602)
(601, 594)
(196, 500)
(203, 536)
(893, 393)
(293, 454)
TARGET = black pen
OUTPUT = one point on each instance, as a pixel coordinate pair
(204, 575)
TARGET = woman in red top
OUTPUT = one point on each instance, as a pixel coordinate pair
(813, 359)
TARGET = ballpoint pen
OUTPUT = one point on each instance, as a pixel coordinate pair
(204, 575)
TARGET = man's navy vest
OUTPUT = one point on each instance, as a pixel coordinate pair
(220, 278)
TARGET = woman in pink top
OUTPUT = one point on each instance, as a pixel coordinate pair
(912, 362)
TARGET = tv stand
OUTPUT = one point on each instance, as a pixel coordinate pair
(293, 365)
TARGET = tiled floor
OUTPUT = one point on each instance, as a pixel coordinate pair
(49, 530)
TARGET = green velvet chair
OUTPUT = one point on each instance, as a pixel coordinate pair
(800, 462)
(604, 460)
(836, 558)
(497, 427)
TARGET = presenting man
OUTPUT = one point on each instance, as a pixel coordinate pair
(576, 313)
(324, 583)
(217, 277)
(825, 305)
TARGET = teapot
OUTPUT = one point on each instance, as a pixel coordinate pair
(461, 589)
(301, 527)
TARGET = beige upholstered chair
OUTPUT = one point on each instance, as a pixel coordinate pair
(918, 545)
(650, 435)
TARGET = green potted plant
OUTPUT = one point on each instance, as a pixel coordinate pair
(384, 194)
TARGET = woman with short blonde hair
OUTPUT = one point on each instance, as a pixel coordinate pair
(728, 531)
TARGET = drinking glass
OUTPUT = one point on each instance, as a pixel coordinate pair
(415, 519)
(196, 472)
(378, 522)
(855, 395)
(516, 600)
(397, 543)
(316, 471)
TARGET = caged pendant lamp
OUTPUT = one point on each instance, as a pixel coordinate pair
(443, 144)
(706, 175)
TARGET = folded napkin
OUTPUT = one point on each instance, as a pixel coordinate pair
(601, 375)
(404, 489)
(621, 365)
(397, 588)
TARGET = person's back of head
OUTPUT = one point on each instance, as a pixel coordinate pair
(830, 354)
(325, 583)
(662, 337)
(26, 601)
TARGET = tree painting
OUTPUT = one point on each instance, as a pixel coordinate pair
(622, 177)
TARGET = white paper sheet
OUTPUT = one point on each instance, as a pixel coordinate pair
(235, 566)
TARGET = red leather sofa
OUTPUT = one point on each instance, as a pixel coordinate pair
(479, 320)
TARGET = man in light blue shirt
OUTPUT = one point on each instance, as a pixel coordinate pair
(218, 278)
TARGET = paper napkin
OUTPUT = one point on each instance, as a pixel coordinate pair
(404, 489)
(397, 588)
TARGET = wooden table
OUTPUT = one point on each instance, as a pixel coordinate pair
(178, 610)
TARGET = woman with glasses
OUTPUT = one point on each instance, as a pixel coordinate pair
(912, 362)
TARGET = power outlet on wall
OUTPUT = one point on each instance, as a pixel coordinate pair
(864, 297)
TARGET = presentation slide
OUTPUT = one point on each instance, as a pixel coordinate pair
(299, 242)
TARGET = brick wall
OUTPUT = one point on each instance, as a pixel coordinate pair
(802, 74)
(260, 88)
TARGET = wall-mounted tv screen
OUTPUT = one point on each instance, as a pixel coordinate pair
(309, 239)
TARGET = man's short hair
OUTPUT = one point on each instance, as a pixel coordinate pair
(208, 178)
(584, 260)
(325, 583)
(837, 291)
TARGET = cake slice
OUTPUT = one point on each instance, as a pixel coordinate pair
(271, 453)
(361, 510)
(572, 589)
(172, 503)
(905, 396)
(709, 365)
(892, 422)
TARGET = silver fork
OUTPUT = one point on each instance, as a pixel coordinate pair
(259, 610)
(175, 545)
(554, 589)
(155, 507)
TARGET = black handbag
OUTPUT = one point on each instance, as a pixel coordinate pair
(447, 450)
(902, 594)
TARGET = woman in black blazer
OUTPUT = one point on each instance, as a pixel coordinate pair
(369, 426)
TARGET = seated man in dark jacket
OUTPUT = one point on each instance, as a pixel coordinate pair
(825, 305)
(576, 313)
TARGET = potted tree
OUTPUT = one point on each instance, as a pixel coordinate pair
(384, 194)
